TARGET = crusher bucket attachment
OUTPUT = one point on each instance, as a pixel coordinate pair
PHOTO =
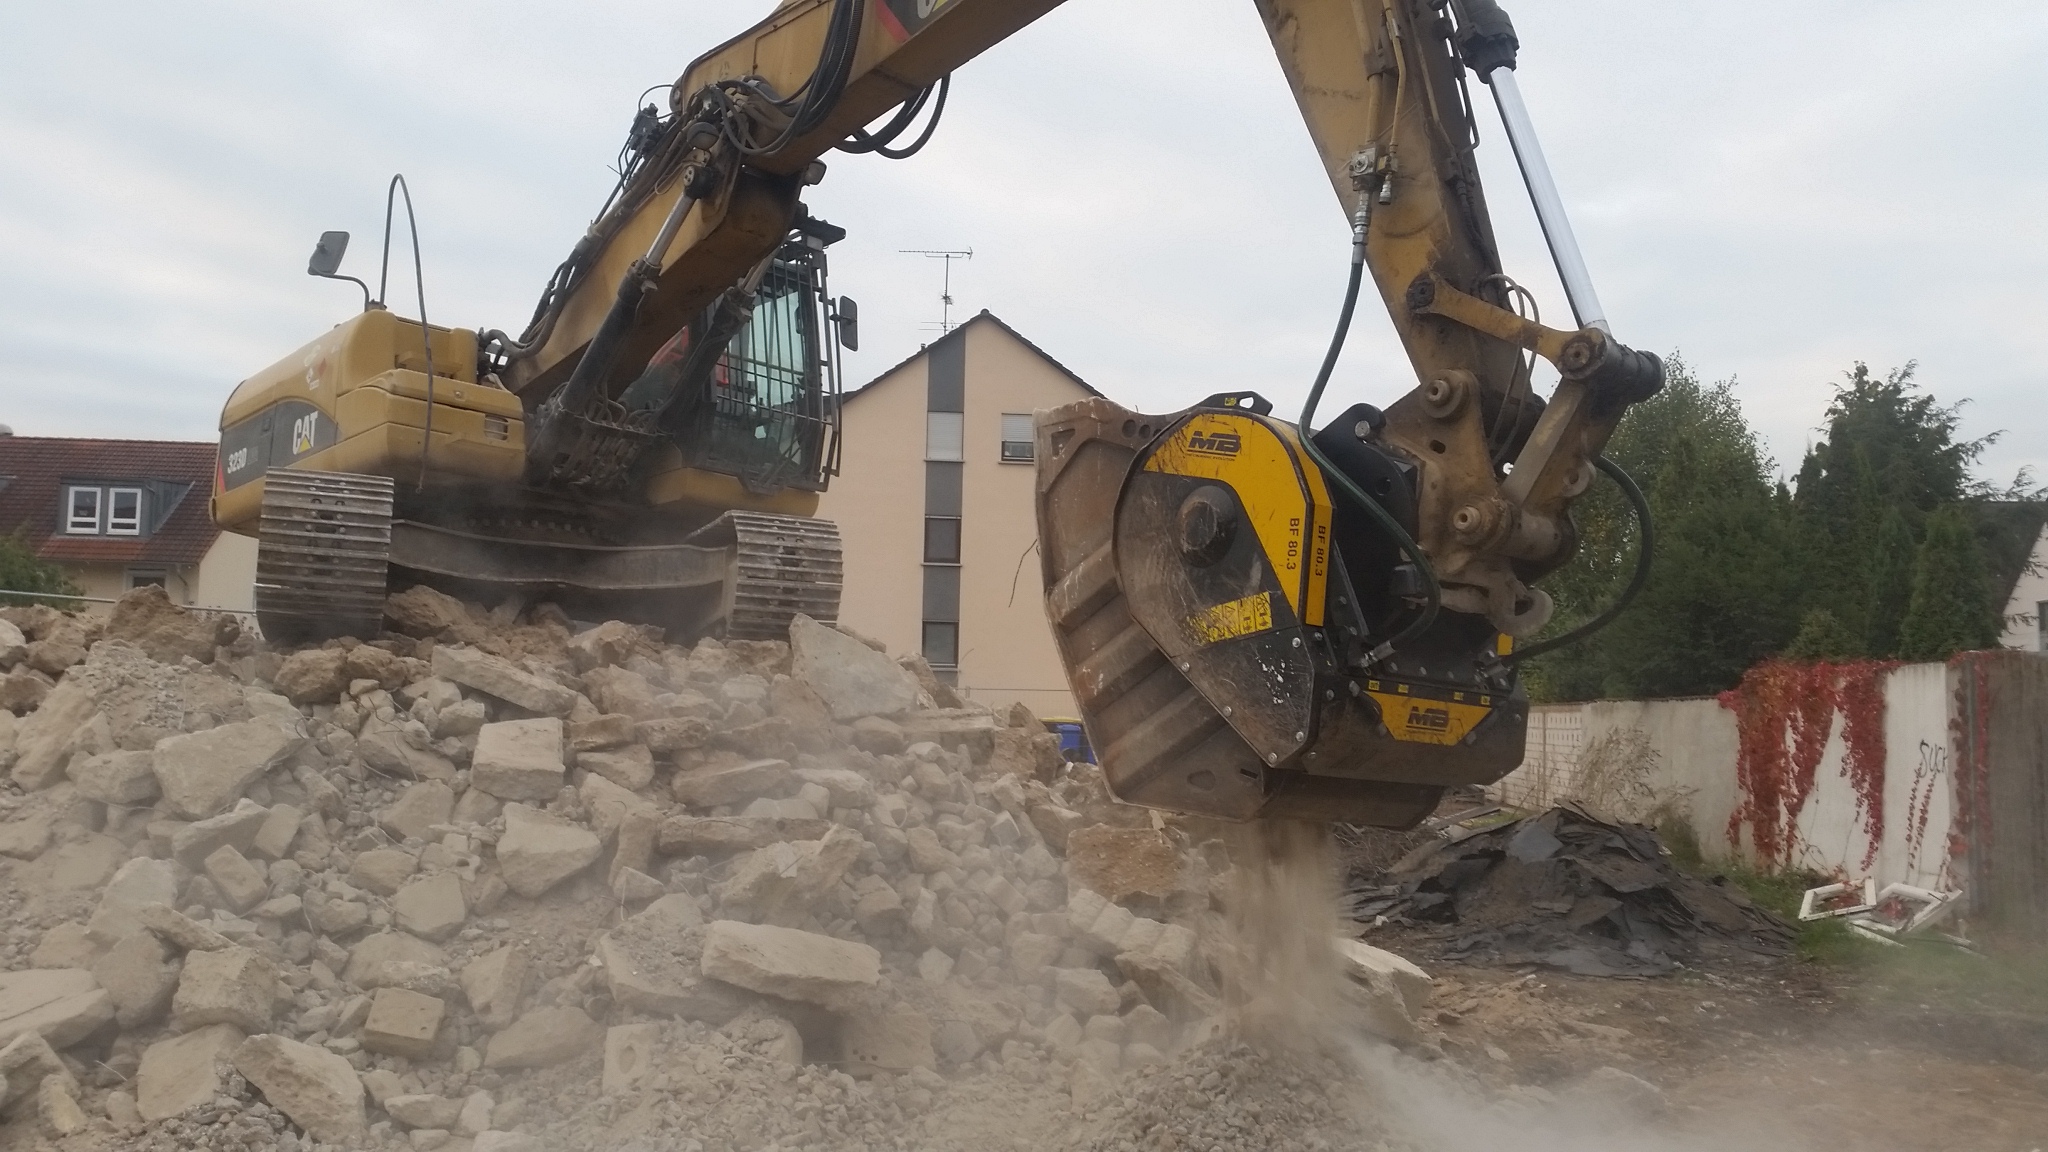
(1215, 643)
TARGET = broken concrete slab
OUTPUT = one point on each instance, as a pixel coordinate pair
(731, 784)
(893, 1040)
(193, 843)
(628, 1056)
(493, 676)
(317, 1089)
(1122, 862)
(539, 851)
(852, 679)
(631, 767)
(790, 963)
(273, 840)
(719, 836)
(519, 759)
(184, 1071)
(383, 870)
(542, 1038)
(203, 773)
(62, 1005)
(423, 1110)
(1384, 969)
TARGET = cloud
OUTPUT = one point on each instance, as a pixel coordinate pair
(1777, 190)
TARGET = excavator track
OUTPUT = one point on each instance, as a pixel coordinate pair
(782, 566)
(322, 554)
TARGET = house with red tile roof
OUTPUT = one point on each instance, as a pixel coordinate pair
(117, 514)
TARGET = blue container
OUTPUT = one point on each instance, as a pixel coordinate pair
(1074, 745)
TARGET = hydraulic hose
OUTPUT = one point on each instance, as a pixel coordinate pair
(1641, 505)
(1333, 474)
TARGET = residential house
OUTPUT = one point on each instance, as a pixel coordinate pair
(2026, 607)
(934, 505)
(117, 514)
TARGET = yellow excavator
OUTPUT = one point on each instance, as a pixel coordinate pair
(1258, 617)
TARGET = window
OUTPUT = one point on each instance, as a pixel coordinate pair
(943, 435)
(942, 540)
(941, 644)
(83, 512)
(138, 577)
(124, 512)
(1017, 437)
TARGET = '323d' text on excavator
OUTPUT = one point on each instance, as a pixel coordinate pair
(1258, 617)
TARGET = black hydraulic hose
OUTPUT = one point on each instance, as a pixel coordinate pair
(1333, 474)
(879, 142)
(398, 186)
(1641, 504)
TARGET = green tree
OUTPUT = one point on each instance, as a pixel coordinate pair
(1951, 609)
(1720, 596)
(20, 571)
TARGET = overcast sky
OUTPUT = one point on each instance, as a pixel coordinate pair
(1775, 189)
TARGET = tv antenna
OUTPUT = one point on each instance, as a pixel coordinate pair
(946, 292)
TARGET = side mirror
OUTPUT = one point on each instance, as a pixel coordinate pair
(846, 316)
(327, 254)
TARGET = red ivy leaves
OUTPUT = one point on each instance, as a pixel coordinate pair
(1783, 714)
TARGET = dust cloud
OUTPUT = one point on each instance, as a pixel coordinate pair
(1288, 996)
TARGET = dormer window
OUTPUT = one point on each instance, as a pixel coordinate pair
(83, 515)
(106, 510)
(124, 511)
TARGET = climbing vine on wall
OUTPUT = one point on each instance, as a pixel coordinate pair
(1784, 712)
(1970, 731)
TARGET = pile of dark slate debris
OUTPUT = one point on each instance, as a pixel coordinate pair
(1571, 889)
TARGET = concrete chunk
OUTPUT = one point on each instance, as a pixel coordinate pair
(631, 767)
(139, 882)
(273, 840)
(140, 977)
(433, 908)
(493, 985)
(390, 958)
(382, 870)
(121, 778)
(790, 963)
(230, 986)
(501, 678)
(402, 1023)
(238, 880)
(202, 773)
(539, 851)
(316, 1088)
(417, 810)
(1086, 991)
(519, 759)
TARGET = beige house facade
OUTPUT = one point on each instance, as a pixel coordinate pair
(934, 506)
(118, 514)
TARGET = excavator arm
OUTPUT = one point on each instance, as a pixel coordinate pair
(1258, 617)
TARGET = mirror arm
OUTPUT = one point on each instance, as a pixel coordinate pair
(368, 304)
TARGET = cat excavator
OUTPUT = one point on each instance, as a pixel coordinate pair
(1258, 617)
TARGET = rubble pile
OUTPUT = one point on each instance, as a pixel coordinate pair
(1570, 889)
(498, 882)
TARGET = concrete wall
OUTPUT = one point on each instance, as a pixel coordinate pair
(1681, 756)
(1006, 648)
